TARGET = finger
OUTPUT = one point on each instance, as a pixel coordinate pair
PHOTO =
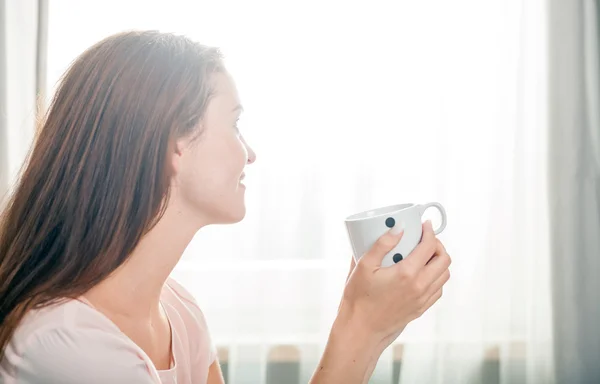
(437, 284)
(438, 251)
(437, 266)
(352, 265)
(382, 247)
(424, 250)
(432, 300)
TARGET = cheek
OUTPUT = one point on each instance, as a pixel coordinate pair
(237, 155)
(216, 165)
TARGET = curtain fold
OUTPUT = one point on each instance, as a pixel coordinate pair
(574, 156)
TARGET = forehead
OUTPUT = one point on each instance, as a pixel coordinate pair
(225, 90)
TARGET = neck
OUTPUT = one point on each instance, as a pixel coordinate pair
(134, 289)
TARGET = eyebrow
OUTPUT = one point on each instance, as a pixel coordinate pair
(238, 108)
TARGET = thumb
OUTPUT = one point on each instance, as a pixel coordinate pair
(382, 246)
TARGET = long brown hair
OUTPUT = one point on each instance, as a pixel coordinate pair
(97, 177)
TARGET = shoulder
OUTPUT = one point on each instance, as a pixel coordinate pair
(68, 345)
(192, 321)
(184, 302)
(61, 355)
(181, 293)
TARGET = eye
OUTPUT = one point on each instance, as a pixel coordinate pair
(236, 125)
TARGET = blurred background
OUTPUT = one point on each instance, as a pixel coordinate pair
(490, 107)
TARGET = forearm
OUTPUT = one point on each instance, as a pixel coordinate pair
(349, 357)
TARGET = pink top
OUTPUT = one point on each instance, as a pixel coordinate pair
(73, 343)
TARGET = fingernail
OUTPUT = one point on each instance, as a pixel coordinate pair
(398, 233)
(397, 229)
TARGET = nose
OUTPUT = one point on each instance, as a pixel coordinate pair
(251, 153)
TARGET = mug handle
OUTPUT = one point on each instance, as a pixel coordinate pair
(440, 208)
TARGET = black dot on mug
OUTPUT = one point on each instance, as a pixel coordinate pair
(390, 222)
(397, 257)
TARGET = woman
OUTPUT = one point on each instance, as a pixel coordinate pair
(138, 151)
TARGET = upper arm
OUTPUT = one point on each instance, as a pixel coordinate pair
(91, 356)
(215, 376)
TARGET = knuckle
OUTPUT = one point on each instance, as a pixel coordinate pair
(407, 274)
(446, 260)
(440, 245)
(446, 275)
(360, 266)
(418, 288)
(441, 249)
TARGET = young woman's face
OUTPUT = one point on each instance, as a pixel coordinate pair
(209, 169)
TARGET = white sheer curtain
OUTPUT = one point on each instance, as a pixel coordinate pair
(353, 105)
(18, 81)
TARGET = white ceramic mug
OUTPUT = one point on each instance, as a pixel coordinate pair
(366, 227)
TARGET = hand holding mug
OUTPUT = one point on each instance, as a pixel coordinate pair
(384, 292)
(382, 301)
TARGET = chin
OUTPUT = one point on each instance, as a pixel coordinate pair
(232, 216)
(222, 211)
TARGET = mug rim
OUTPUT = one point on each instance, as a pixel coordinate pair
(383, 211)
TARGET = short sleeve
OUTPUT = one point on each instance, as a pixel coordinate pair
(75, 356)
